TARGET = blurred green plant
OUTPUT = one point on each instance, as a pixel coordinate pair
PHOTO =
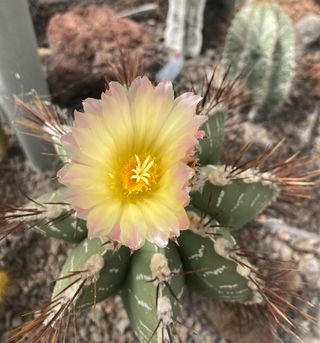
(261, 41)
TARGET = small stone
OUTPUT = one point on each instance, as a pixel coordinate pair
(309, 265)
(16, 322)
(122, 325)
(308, 29)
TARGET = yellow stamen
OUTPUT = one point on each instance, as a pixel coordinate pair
(139, 174)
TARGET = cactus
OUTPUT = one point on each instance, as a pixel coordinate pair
(184, 26)
(206, 258)
(261, 40)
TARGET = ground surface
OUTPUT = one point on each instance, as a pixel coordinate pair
(34, 261)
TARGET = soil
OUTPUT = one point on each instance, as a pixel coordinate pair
(34, 261)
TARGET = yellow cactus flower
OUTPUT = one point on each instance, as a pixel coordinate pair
(128, 174)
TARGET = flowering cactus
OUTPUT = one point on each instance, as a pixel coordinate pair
(141, 177)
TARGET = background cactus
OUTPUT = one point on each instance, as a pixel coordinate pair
(261, 41)
(184, 26)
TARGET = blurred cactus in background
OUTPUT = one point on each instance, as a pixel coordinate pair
(261, 41)
(184, 26)
(206, 258)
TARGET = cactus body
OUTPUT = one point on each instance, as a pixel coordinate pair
(184, 26)
(234, 204)
(108, 279)
(206, 258)
(59, 222)
(261, 38)
(211, 146)
(215, 274)
(140, 294)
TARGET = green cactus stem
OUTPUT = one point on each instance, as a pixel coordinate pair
(215, 274)
(98, 266)
(153, 286)
(261, 37)
(232, 202)
(56, 219)
(48, 215)
(210, 148)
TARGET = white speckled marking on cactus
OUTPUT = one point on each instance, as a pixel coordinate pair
(141, 333)
(211, 141)
(79, 228)
(239, 201)
(199, 254)
(142, 277)
(255, 200)
(235, 285)
(53, 228)
(114, 270)
(217, 271)
(145, 326)
(142, 303)
(219, 200)
(85, 245)
(213, 286)
(72, 263)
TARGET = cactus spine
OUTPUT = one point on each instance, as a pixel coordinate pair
(261, 41)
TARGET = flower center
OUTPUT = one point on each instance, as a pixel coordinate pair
(138, 174)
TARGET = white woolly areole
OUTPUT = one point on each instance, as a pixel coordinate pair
(90, 274)
(164, 311)
(48, 211)
(198, 181)
(92, 269)
(159, 267)
(219, 175)
(197, 224)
